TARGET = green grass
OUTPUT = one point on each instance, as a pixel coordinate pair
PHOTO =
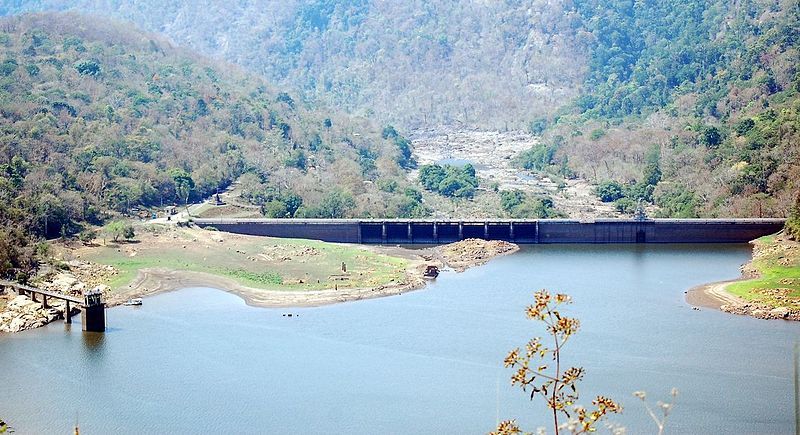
(778, 264)
(260, 262)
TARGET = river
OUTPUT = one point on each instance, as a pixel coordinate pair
(430, 361)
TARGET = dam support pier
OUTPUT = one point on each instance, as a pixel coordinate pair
(521, 231)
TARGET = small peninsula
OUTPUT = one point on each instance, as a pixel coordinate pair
(769, 287)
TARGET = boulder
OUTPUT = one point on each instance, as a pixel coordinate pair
(779, 313)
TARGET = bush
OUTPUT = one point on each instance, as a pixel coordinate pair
(118, 229)
(625, 205)
(597, 133)
(677, 201)
(449, 180)
(511, 198)
(538, 158)
(86, 236)
(88, 67)
(609, 191)
(792, 226)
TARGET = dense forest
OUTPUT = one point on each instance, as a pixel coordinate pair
(604, 81)
(692, 106)
(97, 119)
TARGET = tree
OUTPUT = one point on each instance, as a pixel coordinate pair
(792, 226)
(89, 67)
(557, 386)
(183, 184)
(118, 229)
(609, 191)
(86, 236)
(336, 204)
(710, 137)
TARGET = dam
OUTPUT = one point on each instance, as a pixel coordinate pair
(522, 231)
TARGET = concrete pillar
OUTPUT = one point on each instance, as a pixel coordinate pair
(67, 312)
(44, 302)
(33, 297)
(435, 232)
(410, 234)
(536, 238)
(94, 318)
(359, 232)
(511, 231)
(460, 230)
(383, 232)
(486, 230)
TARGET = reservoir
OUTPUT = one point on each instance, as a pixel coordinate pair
(427, 362)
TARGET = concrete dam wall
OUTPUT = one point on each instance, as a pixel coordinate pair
(522, 231)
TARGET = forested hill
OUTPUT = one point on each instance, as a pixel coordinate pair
(486, 64)
(97, 118)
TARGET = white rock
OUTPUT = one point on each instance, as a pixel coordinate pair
(780, 312)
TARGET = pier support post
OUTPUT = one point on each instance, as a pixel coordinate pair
(410, 234)
(383, 233)
(94, 318)
(435, 232)
(511, 231)
(44, 302)
(460, 230)
(67, 313)
(33, 297)
(486, 230)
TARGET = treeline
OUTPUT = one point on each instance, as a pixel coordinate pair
(98, 120)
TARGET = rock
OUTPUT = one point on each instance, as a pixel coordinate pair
(102, 288)
(779, 313)
(16, 325)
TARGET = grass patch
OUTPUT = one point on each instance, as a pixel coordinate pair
(777, 262)
(259, 262)
(264, 278)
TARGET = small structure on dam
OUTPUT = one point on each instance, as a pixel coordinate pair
(521, 231)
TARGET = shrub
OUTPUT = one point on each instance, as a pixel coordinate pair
(609, 191)
(88, 67)
(792, 226)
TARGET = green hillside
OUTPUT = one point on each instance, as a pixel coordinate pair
(691, 106)
(97, 119)
(710, 87)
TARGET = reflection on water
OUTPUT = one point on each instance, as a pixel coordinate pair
(93, 341)
(430, 361)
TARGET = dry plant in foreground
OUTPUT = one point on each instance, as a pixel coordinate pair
(539, 371)
(664, 407)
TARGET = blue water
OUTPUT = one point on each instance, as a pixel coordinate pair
(201, 361)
